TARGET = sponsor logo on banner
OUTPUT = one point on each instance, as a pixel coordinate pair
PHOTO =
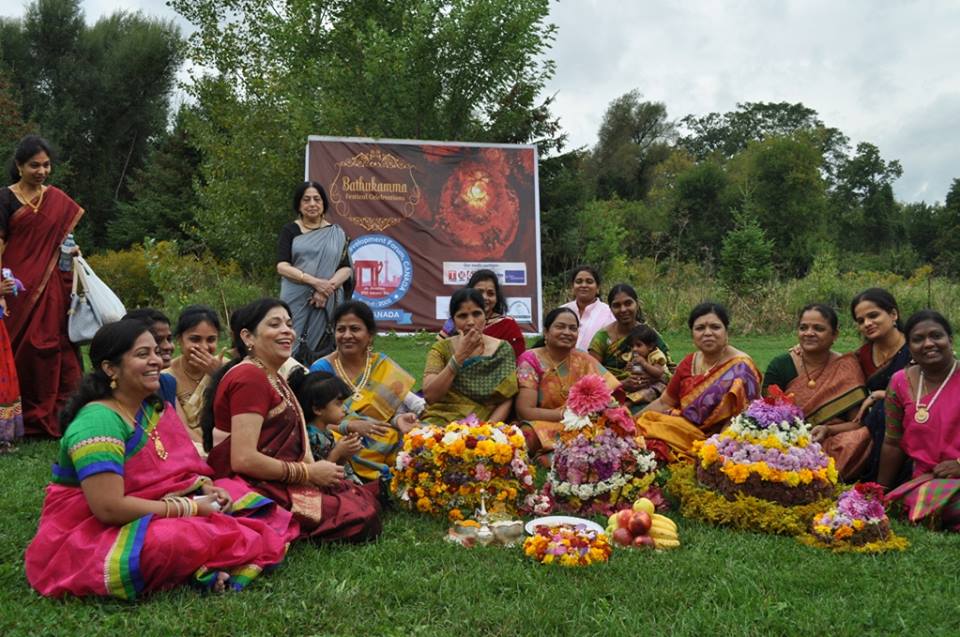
(457, 273)
(519, 308)
(383, 272)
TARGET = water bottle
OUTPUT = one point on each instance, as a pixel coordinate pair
(66, 253)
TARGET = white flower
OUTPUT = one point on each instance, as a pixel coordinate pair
(573, 422)
(449, 438)
(499, 437)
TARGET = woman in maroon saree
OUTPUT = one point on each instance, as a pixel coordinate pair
(35, 219)
(267, 440)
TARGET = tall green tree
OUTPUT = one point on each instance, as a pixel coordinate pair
(781, 175)
(727, 134)
(470, 70)
(702, 201)
(632, 140)
(99, 93)
(746, 257)
(948, 242)
(163, 200)
(862, 198)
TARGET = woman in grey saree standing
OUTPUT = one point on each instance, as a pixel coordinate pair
(314, 267)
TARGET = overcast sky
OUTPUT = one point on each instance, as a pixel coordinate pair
(879, 70)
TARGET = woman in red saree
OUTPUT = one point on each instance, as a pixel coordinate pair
(120, 518)
(498, 324)
(710, 387)
(267, 441)
(35, 219)
(923, 425)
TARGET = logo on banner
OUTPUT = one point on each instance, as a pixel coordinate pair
(374, 176)
(383, 272)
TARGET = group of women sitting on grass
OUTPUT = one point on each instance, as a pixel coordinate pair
(206, 471)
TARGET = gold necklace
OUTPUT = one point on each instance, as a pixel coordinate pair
(811, 382)
(26, 200)
(280, 385)
(555, 368)
(923, 411)
(183, 368)
(703, 362)
(153, 435)
(364, 377)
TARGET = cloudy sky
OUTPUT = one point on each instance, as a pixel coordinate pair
(882, 71)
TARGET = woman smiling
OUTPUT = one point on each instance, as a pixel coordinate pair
(710, 387)
(923, 425)
(828, 387)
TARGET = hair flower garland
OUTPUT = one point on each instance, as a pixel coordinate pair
(567, 545)
(857, 523)
(441, 470)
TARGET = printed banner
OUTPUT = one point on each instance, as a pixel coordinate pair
(424, 216)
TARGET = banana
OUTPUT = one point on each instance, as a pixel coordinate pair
(656, 517)
(665, 544)
(663, 534)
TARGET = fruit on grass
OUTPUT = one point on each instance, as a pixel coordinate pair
(664, 521)
(612, 520)
(623, 518)
(640, 522)
(666, 544)
(622, 536)
(643, 541)
(644, 504)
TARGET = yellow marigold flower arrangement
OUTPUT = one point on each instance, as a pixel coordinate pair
(441, 470)
(567, 545)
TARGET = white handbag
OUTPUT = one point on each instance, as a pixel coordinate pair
(92, 304)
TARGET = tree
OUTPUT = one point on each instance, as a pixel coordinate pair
(564, 191)
(632, 140)
(467, 70)
(746, 254)
(12, 126)
(863, 201)
(701, 210)
(781, 175)
(948, 242)
(728, 134)
(923, 223)
(75, 83)
(164, 199)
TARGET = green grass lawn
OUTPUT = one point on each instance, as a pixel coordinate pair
(411, 582)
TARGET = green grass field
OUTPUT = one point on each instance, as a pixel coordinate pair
(411, 582)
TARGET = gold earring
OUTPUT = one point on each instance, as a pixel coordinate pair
(113, 383)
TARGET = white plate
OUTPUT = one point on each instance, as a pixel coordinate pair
(553, 520)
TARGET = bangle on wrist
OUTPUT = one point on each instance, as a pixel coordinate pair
(453, 363)
(302, 275)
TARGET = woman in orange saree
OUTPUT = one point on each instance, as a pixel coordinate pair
(546, 374)
(710, 387)
(828, 387)
(35, 219)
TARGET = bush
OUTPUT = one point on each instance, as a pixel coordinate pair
(125, 271)
(185, 279)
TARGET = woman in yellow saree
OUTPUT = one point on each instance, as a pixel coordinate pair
(709, 387)
(381, 408)
(545, 375)
(828, 387)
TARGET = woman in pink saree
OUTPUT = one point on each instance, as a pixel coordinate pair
(121, 516)
(923, 425)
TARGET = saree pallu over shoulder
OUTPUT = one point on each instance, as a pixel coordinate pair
(74, 553)
(839, 389)
(380, 399)
(319, 253)
(343, 511)
(33, 250)
(710, 400)
(482, 383)
(553, 385)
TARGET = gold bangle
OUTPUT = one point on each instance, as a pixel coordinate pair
(166, 508)
(305, 477)
(302, 275)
